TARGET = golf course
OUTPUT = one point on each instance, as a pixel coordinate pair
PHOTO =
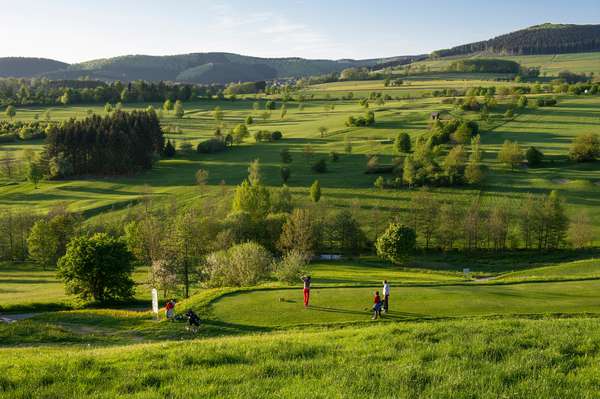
(215, 225)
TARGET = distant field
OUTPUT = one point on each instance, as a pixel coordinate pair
(550, 65)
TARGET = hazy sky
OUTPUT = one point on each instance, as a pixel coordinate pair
(79, 30)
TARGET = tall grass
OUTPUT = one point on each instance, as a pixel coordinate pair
(466, 359)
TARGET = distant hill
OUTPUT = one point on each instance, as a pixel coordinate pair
(24, 67)
(209, 67)
(538, 39)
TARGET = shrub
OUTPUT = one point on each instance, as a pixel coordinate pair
(291, 267)
(396, 243)
(534, 156)
(241, 265)
(276, 135)
(286, 156)
(169, 150)
(546, 102)
(285, 173)
(211, 146)
(585, 148)
(320, 166)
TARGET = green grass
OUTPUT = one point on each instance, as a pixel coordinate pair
(473, 358)
(550, 64)
(268, 308)
(26, 287)
(580, 269)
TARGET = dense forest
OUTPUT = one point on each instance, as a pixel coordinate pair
(120, 143)
(539, 39)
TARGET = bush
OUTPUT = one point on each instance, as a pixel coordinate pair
(585, 148)
(396, 243)
(534, 157)
(546, 102)
(333, 156)
(169, 150)
(361, 121)
(276, 135)
(241, 265)
(211, 146)
(320, 166)
(291, 267)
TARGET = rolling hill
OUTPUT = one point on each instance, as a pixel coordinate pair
(207, 68)
(538, 39)
(24, 67)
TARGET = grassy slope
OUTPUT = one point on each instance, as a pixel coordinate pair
(511, 358)
(549, 64)
(579, 269)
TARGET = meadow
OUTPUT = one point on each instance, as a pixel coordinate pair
(550, 65)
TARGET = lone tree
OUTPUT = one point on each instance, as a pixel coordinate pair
(201, 178)
(168, 105)
(11, 111)
(97, 267)
(402, 143)
(285, 173)
(585, 148)
(179, 111)
(323, 131)
(534, 157)
(315, 191)
(511, 154)
(396, 243)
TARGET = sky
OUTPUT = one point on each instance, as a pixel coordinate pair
(81, 30)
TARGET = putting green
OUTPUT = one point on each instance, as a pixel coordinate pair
(270, 308)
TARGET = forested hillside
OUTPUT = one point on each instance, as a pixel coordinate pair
(207, 68)
(23, 67)
(539, 39)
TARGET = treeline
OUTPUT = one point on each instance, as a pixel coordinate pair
(537, 222)
(119, 143)
(541, 39)
(484, 65)
(64, 92)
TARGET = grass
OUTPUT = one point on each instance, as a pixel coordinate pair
(550, 64)
(474, 358)
(583, 269)
(26, 287)
(269, 308)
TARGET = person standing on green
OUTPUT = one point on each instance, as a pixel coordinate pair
(386, 296)
(306, 280)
